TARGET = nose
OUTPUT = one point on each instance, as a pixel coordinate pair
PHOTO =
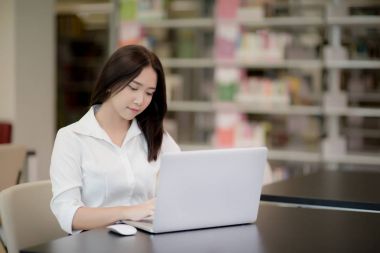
(139, 98)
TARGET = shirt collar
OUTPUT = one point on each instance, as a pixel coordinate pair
(88, 125)
(133, 131)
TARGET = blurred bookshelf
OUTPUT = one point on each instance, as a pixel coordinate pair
(300, 77)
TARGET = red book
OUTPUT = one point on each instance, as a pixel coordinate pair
(5, 132)
(227, 9)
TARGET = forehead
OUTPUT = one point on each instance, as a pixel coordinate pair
(147, 78)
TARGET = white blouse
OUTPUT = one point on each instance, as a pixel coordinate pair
(87, 169)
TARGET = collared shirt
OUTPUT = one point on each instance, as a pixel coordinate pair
(88, 169)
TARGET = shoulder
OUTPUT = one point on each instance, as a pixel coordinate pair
(169, 144)
(67, 149)
(68, 130)
(67, 134)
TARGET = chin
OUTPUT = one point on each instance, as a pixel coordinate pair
(128, 117)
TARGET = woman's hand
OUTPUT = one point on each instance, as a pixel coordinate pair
(141, 211)
(87, 218)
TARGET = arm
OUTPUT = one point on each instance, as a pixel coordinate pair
(65, 176)
(88, 218)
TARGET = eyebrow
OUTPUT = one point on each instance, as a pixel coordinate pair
(138, 83)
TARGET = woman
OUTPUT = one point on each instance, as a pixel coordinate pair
(104, 167)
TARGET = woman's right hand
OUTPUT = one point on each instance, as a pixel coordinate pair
(141, 211)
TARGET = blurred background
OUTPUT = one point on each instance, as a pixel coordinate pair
(298, 76)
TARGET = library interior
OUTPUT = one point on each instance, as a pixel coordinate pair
(299, 77)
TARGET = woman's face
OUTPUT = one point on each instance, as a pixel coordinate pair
(136, 96)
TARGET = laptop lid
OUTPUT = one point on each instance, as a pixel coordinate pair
(208, 188)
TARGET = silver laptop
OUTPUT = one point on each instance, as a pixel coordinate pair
(208, 188)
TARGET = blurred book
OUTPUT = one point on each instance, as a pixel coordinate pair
(226, 38)
(227, 80)
(5, 132)
(226, 9)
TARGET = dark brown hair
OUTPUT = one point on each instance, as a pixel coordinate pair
(124, 66)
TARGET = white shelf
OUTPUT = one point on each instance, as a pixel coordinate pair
(285, 64)
(282, 21)
(211, 63)
(197, 106)
(282, 110)
(353, 64)
(84, 8)
(353, 112)
(188, 63)
(354, 21)
(189, 106)
(249, 22)
(179, 23)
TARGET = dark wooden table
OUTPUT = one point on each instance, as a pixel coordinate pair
(338, 189)
(278, 229)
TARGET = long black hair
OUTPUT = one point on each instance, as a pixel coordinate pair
(124, 65)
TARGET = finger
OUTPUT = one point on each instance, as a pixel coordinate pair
(149, 218)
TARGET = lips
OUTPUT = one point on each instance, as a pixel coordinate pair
(133, 109)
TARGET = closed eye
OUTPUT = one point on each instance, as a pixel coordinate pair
(132, 88)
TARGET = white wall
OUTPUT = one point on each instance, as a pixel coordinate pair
(29, 91)
(7, 63)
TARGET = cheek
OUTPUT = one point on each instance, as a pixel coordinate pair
(118, 103)
(148, 100)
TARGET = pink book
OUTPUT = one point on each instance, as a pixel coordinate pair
(226, 9)
(225, 137)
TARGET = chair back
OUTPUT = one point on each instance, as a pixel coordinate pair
(12, 160)
(26, 215)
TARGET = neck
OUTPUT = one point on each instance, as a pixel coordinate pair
(114, 125)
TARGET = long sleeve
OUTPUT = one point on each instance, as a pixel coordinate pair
(65, 174)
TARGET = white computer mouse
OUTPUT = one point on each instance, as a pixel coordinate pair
(122, 229)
